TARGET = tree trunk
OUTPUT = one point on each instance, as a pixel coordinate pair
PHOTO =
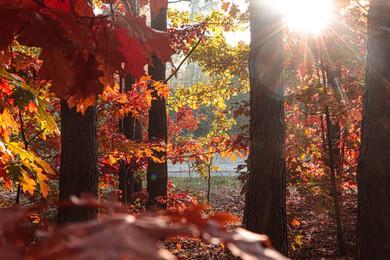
(157, 175)
(333, 76)
(132, 129)
(374, 161)
(79, 161)
(333, 183)
(265, 206)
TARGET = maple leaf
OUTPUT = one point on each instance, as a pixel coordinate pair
(5, 178)
(118, 237)
(135, 61)
(46, 119)
(27, 183)
(7, 124)
(61, 71)
(80, 59)
(44, 187)
(138, 43)
(108, 56)
(77, 33)
(64, 5)
(82, 8)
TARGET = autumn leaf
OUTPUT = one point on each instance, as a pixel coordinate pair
(82, 8)
(121, 236)
(7, 124)
(295, 222)
(46, 119)
(44, 187)
(57, 67)
(64, 5)
(109, 57)
(135, 61)
(138, 43)
(5, 178)
(81, 59)
(27, 183)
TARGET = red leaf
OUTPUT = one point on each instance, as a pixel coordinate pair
(63, 5)
(83, 8)
(109, 57)
(135, 61)
(5, 178)
(139, 43)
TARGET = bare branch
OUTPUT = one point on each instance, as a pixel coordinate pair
(186, 57)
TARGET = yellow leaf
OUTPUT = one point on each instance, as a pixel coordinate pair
(233, 157)
(8, 124)
(16, 149)
(28, 184)
(46, 119)
(43, 184)
(111, 159)
(44, 165)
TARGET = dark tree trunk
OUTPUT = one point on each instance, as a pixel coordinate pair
(125, 183)
(333, 76)
(132, 129)
(374, 161)
(157, 175)
(265, 207)
(79, 161)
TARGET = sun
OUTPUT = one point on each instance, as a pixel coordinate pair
(306, 16)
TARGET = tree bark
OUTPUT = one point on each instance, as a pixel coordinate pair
(79, 161)
(265, 206)
(374, 161)
(157, 175)
(132, 129)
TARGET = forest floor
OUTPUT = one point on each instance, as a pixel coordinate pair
(311, 228)
(311, 225)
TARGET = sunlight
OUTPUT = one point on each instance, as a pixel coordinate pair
(307, 16)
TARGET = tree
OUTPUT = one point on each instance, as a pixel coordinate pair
(374, 169)
(157, 175)
(132, 129)
(79, 161)
(80, 62)
(265, 207)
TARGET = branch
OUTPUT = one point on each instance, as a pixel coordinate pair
(186, 57)
(361, 6)
(40, 3)
(22, 130)
(178, 1)
(35, 136)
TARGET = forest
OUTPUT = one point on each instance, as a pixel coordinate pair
(100, 99)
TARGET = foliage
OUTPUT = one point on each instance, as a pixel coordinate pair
(123, 235)
(76, 53)
(225, 67)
